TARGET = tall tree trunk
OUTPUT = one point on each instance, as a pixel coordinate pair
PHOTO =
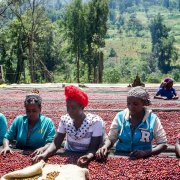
(89, 63)
(95, 68)
(19, 68)
(78, 67)
(31, 59)
(100, 67)
(20, 58)
(47, 74)
(89, 72)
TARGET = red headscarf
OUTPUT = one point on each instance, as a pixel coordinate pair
(76, 94)
(168, 80)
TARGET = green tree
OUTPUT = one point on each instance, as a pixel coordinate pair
(97, 15)
(32, 17)
(162, 44)
(30, 42)
(112, 53)
(75, 31)
(134, 24)
(13, 56)
(124, 4)
(166, 3)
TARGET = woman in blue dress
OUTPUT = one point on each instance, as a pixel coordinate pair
(166, 90)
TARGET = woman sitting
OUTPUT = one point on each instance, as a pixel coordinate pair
(166, 90)
(3, 128)
(30, 131)
(134, 128)
(83, 132)
(177, 146)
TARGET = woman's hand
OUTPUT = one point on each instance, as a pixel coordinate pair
(165, 98)
(102, 152)
(84, 160)
(39, 157)
(138, 154)
(6, 150)
(38, 151)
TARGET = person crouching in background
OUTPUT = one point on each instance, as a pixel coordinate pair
(166, 90)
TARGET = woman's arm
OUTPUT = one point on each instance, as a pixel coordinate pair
(93, 147)
(159, 93)
(157, 150)
(110, 139)
(137, 154)
(9, 136)
(6, 147)
(160, 97)
(177, 147)
(3, 125)
(50, 134)
(40, 150)
(175, 96)
(160, 137)
(161, 140)
(52, 148)
(103, 151)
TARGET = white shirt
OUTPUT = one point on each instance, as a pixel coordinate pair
(79, 139)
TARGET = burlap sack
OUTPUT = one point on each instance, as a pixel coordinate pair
(50, 171)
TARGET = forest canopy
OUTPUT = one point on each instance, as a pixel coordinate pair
(89, 41)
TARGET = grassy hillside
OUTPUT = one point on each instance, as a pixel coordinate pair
(132, 46)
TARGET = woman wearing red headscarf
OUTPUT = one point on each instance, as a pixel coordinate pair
(83, 132)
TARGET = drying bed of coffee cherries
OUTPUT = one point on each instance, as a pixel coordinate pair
(112, 168)
(169, 120)
(99, 98)
(109, 98)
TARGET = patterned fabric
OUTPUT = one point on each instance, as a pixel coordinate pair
(79, 139)
(76, 94)
(140, 93)
(33, 98)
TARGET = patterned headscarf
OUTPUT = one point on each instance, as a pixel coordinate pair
(33, 98)
(76, 94)
(141, 93)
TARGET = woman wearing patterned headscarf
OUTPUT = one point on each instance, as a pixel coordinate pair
(83, 132)
(166, 90)
(31, 131)
(134, 128)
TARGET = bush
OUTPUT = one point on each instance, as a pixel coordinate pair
(154, 78)
(111, 75)
(112, 53)
(175, 74)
